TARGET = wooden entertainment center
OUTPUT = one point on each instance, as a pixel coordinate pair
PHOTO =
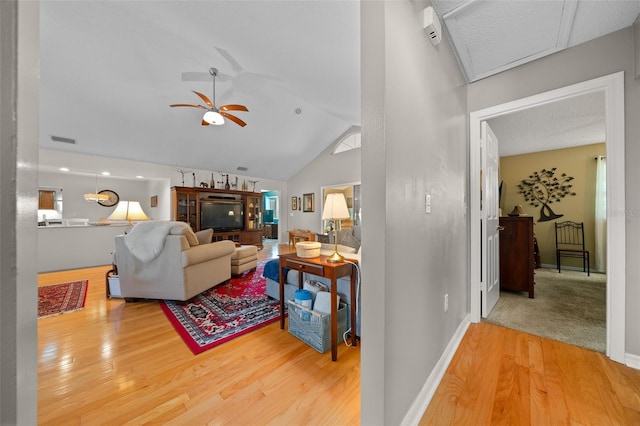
(197, 207)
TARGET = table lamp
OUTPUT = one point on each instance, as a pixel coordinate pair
(335, 208)
(129, 211)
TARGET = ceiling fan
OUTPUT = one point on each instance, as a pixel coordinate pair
(215, 115)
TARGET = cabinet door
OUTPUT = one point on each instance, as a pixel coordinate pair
(186, 209)
(253, 213)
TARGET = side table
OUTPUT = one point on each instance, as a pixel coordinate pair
(320, 267)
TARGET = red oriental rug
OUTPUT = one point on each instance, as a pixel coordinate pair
(61, 298)
(223, 312)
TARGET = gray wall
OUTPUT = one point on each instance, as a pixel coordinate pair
(18, 203)
(414, 141)
(605, 55)
(325, 170)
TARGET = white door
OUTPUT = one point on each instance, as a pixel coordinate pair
(490, 264)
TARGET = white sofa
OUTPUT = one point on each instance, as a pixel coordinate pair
(182, 269)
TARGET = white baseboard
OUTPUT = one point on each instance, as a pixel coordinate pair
(633, 361)
(419, 406)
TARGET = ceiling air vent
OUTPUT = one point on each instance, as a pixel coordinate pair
(242, 169)
(63, 140)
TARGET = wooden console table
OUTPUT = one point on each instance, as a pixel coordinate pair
(299, 235)
(320, 267)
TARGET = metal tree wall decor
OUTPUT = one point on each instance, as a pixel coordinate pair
(544, 188)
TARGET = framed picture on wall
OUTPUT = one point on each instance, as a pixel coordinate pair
(154, 201)
(307, 202)
(294, 203)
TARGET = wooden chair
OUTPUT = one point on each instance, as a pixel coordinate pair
(570, 243)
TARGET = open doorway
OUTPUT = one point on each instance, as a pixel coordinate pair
(569, 306)
(270, 214)
(612, 87)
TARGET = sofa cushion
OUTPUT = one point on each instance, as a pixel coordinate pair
(187, 232)
(331, 248)
(205, 236)
(206, 252)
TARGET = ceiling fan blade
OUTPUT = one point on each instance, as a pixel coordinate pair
(204, 123)
(187, 105)
(204, 98)
(234, 119)
(235, 66)
(234, 107)
(196, 76)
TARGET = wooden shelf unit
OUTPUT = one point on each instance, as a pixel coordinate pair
(185, 207)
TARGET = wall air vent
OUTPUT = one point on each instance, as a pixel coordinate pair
(63, 140)
(242, 169)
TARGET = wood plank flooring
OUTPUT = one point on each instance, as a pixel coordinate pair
(116, 363)
(123, 363)
(501, 376)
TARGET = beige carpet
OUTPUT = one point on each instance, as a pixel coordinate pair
(569, 307)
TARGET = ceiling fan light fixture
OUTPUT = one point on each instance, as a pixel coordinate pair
(213, 117)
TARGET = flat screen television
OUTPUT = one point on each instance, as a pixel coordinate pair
(222, 215)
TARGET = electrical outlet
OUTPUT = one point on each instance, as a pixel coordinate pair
(446, 302)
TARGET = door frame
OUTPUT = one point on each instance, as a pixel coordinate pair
(613, 87)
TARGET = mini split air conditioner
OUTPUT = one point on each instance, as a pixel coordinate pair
(432, 26)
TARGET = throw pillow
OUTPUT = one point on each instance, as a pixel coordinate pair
(205, 236)
(187, 232)
(349, 240)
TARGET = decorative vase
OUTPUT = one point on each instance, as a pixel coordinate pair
(226, 185)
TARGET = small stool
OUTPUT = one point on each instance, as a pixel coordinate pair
(243, 259)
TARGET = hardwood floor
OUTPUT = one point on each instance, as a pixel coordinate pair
(117, 363)
(502, 376)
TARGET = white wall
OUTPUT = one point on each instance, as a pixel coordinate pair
(75, 186)
(414, 141)
(158, 181)
(325, 170)
(605, 55)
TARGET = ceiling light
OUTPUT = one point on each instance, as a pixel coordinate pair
(213, 117)
(64, 169)
(105, 174)
(94, 197)
(214, 114)
(139, 177)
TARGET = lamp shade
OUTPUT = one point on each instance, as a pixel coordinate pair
(335, 207)
(213, 117)
(129, 211)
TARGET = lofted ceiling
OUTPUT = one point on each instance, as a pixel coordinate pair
(490, 36)
(110, 70)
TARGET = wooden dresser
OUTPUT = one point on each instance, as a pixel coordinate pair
(516, 254)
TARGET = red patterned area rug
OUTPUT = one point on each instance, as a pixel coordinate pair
(61, 298)
(224, 312)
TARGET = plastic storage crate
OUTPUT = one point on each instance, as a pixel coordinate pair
(317, 331)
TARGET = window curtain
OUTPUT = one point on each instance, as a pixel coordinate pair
(601, 214)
